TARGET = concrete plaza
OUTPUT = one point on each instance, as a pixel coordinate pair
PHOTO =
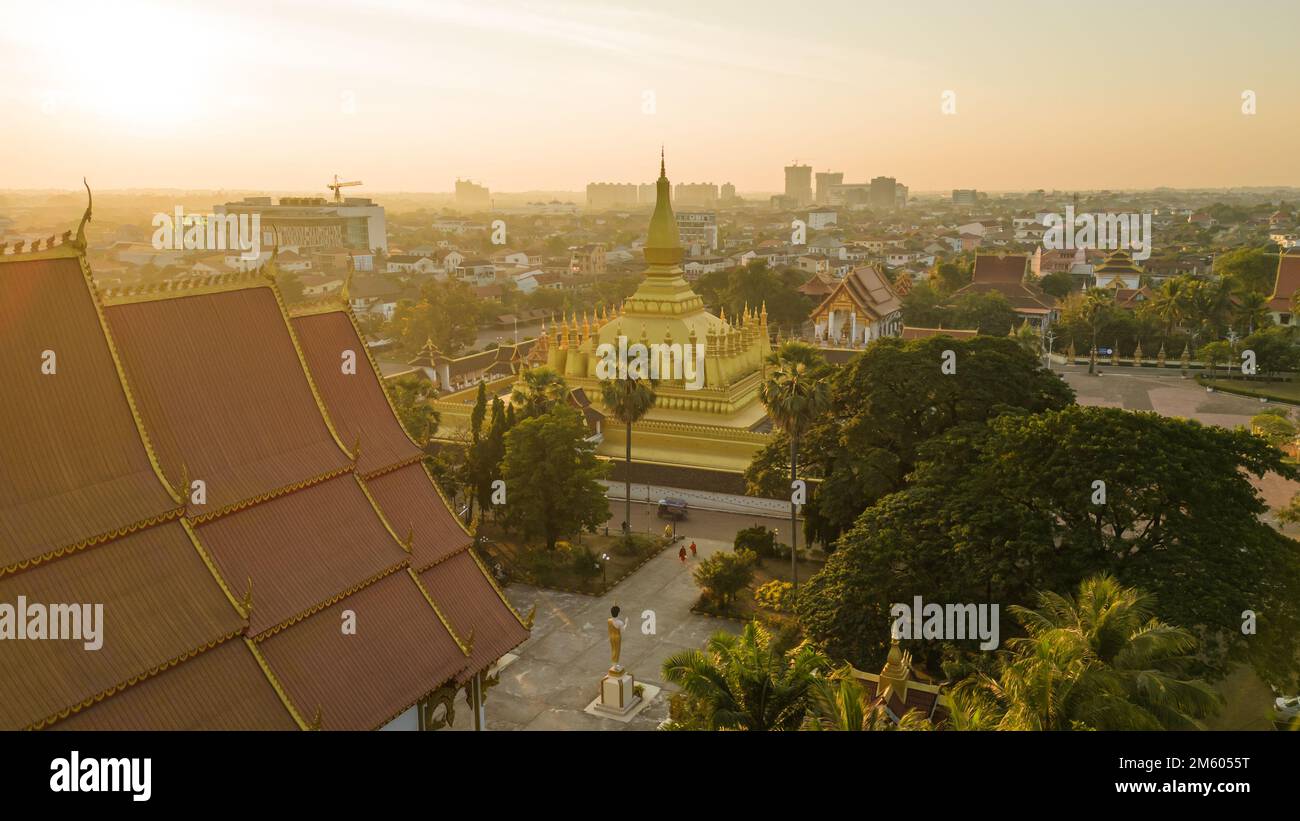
(558, 669)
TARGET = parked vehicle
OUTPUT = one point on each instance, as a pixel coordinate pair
(674, 509)
(1286, 712)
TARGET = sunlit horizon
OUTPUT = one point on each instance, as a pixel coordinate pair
(410, 96)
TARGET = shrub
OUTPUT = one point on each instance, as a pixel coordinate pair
(723, 575)
(775, 595)
(758, 540)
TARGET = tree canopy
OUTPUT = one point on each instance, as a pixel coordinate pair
(884, 404)
(1026, 502)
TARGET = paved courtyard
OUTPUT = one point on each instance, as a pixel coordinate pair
(558, 668)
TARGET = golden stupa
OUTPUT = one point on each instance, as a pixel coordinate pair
(697, 422)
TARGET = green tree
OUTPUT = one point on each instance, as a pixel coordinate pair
(1100, 660)
(887, 401)
(1253, 268)
(949, 276)
(923, 307)
(990, 313)
(1274, 429)
(447, 313)
(839, 702)
(1276, 349)
(1215, 354)
(1057, 283)
(723, 575)
(794, 393)
(411, 396)
(552, 477)
(1024, 503)
(627, 400)
(744, 683)
(537, 390)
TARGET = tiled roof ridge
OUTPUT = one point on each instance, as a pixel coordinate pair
(466, 645)
(120, 686)
(274, 493)
(332, 600)
(92, 541)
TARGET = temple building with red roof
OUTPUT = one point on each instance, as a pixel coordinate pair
(1005, 274)
(862, 307)
(1281, 303)
(203, 466)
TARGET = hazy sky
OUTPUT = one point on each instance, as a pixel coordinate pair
(409, 94)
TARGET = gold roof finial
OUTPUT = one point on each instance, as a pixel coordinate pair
(247, 601)
(80, 241)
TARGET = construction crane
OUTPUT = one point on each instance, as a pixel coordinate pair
(336, 185)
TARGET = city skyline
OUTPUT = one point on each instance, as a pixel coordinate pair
(175, 96)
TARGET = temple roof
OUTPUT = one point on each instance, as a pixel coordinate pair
(76, 469)
(869, 289)
(1118, 262)
(990, 268)
(227, 402)
(1285, 283)
(356, 401)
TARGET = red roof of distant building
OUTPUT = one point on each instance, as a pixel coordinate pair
(1285, 283)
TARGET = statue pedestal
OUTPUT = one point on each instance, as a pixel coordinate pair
(617, 693)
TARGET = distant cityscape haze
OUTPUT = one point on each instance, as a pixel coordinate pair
(410, 95)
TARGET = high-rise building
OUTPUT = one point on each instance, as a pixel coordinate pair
(883, 193)
(604, 195)
(698, 230)
(645, 193)
(798, 184)
(695, 194)
(728, 192)
(825, 179)
(472, 197)
(964, 196)
(900, 196)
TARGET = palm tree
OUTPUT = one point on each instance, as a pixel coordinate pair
(1170, 303)
(744, 683)
(1094, 311)
(841, 703)
(537, 390)
(794, 393)
(1100, 660)
(627, 400)
(1252, 311)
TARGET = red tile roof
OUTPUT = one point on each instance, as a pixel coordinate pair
(301, 550)
(356, 402)
(399, 653)
(470, 602)
(219, 689)
(411, 503)
(160, 602)
(75, 467)
(1285, 283)
(999, 268)
(223, 393)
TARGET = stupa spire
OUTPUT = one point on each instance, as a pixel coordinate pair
(663, 245)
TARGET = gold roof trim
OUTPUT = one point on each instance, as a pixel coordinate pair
(189, 286)
(233, 507)
(466, 646)
(332, 600)
(526, 623)
(133, 680)
(275, 685)
(374, 505)
(212, 568)
(102, 538)
(302, 359)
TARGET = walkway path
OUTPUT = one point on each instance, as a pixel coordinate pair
(559, 667)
